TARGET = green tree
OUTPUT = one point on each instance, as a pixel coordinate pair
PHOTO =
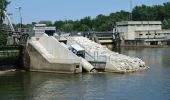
(167, 10)
(3, 6)
(68, 27)
(3, 39)
(142, 13)
(76, 26)
(84, 28)
(166, 24)
(86, 22)
(107, 23)
(59, 25)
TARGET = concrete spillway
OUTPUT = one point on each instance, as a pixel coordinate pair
(85, 64)
(48, 55)
(115, 62)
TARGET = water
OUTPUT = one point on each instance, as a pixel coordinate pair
(152, 84)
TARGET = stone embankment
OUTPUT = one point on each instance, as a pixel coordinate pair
(115, 62)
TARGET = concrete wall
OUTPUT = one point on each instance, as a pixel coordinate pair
(128, 28)
(149, 35)
(41, 28)
(54, 47)
(48, 55)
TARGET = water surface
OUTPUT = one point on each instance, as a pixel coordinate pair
(152, 84)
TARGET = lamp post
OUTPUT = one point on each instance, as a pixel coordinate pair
(131, 9)
(19, 9)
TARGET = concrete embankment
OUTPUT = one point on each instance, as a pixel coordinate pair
(48, 55)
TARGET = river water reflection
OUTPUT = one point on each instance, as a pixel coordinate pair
(152, 84)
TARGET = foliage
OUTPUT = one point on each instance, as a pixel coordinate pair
(3, 39)
(166, 24)
(107, 23)
(100, 23)
(152, 13)
(48, 23)
(3, 6)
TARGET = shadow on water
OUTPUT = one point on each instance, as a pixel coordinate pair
(44, 86)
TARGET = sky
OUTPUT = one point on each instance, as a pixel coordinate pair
(37, 10)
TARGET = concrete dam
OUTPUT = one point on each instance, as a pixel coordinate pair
(115, 62)
(47, 54)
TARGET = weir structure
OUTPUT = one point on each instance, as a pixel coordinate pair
(49, 55)
(111, 61)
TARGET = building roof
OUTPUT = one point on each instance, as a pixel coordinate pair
(40, 25)
(139, 23)
(77, 47)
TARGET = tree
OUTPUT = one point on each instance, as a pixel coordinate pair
(59, 25)
(156, 12)
(166, 24)
(142, 13)
(167, 10)
(68, 27)
(3, 39)
(86, 22)
(84, 28)
(3, 6)
(99, 21)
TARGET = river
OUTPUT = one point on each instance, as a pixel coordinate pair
(151, 84)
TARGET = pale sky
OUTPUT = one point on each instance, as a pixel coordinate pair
(36, 10)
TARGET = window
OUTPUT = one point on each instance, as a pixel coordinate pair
(50, 32)
(148, 34)
(140, 34)
(131, 25)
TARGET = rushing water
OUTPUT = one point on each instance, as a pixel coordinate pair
(152, 84)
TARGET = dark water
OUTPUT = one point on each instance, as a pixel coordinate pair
(152, 84)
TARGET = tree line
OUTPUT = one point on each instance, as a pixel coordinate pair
(3, 6)
(107, 23)
(152, 13)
